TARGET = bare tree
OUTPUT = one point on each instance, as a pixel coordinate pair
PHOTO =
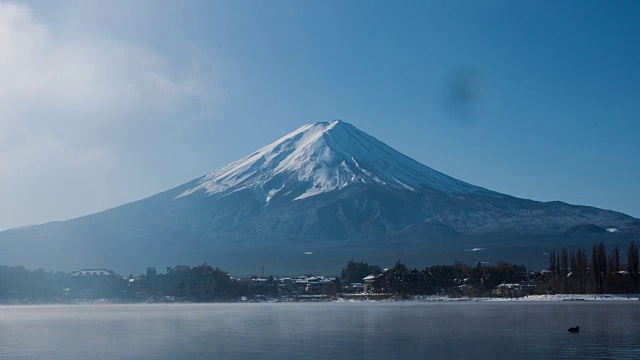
(615, 257)
(602, 266)
(581, 259)
(632, 263)
(595, 270)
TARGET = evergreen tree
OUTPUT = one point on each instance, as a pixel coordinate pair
(355, 272)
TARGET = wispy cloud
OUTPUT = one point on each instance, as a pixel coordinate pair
(69, 108)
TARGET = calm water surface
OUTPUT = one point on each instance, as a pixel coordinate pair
(478, 330)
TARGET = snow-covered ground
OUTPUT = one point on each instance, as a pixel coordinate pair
(570, 297)
(557, 297)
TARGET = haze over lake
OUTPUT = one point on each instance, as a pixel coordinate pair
(456, 330)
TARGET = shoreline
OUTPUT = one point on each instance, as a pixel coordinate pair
(412, 299)
(535, 298)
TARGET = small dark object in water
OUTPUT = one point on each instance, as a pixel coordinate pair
(574, 329)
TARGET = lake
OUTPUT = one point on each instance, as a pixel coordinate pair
(395, 330)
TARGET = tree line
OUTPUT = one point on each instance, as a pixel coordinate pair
(570, 271)
(17, 281)
(576, 272)
(456, 279)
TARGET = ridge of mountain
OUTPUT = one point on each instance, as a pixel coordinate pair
(326, 188)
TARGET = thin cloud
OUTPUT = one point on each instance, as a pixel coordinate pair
(69, 108)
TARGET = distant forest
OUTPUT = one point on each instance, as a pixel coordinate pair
(569, 272)
(577, 273)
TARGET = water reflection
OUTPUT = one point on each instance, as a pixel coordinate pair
(320, 331)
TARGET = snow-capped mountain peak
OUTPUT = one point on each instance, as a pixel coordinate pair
(321, 157)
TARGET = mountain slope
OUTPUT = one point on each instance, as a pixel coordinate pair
(328, 187)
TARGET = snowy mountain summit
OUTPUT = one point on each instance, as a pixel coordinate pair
(322, 157)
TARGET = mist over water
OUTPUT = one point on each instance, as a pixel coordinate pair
(321, 331)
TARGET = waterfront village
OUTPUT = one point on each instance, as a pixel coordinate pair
(569, 272)
(206, 283)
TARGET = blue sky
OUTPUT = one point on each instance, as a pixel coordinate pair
(114, 101)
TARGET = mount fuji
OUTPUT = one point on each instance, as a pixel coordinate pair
(312, 200)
